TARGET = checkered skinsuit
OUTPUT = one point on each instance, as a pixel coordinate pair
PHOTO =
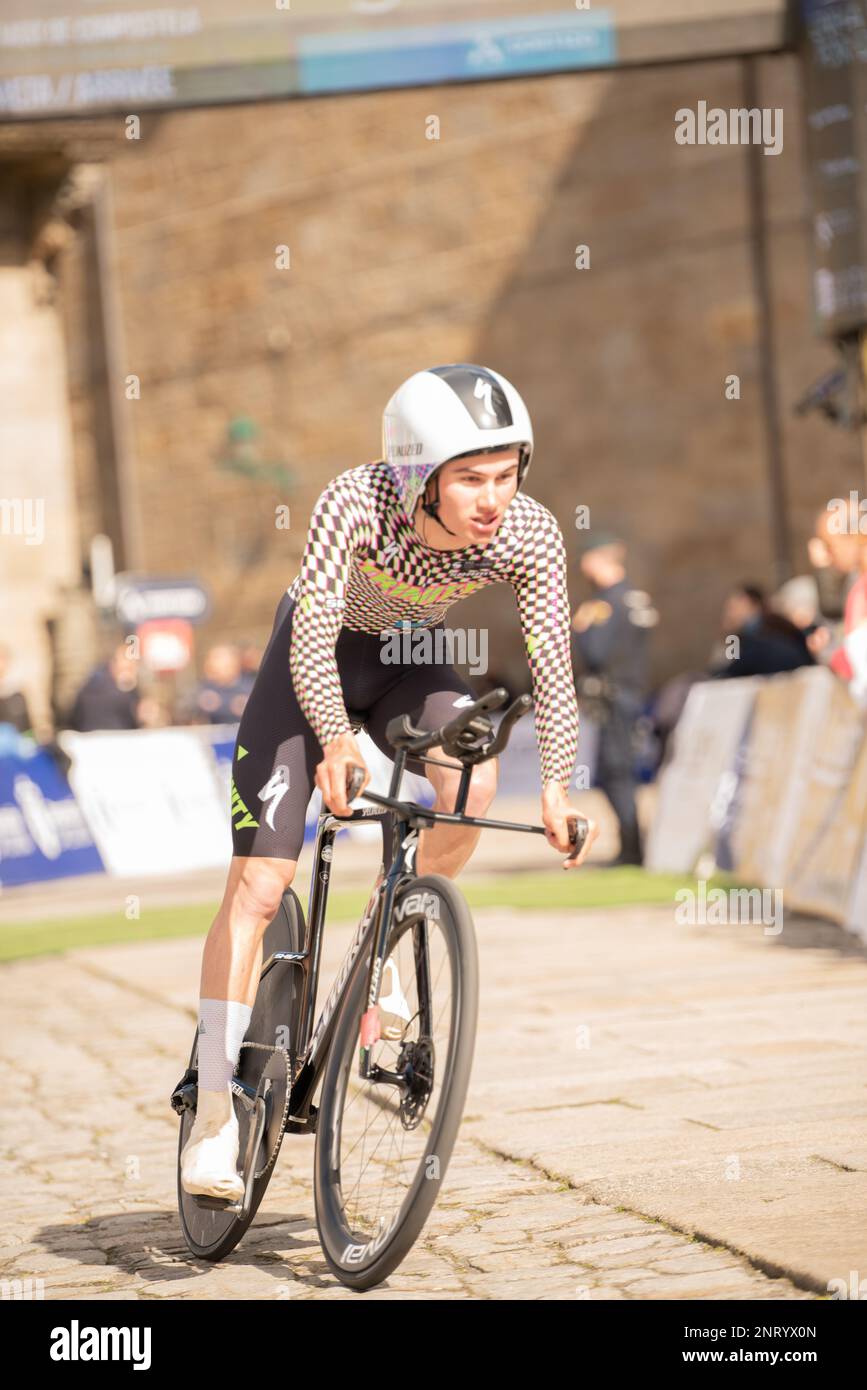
(365, 568)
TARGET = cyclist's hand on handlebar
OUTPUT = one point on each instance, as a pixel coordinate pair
(333, 773)
(556, 814)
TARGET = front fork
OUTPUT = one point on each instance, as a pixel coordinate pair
(406, 843)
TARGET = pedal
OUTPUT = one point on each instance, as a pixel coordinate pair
(214, 1203)
(186, 1094)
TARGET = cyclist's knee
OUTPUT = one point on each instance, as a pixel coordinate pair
(483, 787)
(261, 885)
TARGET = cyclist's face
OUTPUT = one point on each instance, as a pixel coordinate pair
(475, 492)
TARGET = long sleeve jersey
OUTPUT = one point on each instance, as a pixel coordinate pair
(364, 567)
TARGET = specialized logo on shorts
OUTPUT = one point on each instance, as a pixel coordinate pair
(274, 791)
(463, 700)
(239, 809)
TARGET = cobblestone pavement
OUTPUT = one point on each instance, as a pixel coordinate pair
(655, 1112)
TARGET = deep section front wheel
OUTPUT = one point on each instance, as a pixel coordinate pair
(212, 1232)
(383, 1145)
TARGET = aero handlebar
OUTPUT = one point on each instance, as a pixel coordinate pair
(466, 738)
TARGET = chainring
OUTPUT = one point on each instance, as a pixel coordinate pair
(274, 1086)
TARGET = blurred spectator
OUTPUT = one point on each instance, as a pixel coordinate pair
(849, 661)
(222, 692)
(610, 641)
(798, 600)
(109, 698)
(13, 704)
(836, 559)
(251, 660)
(767, 642)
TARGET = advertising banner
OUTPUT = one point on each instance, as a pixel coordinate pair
(43, 834)
(150, 799)
(834, 82)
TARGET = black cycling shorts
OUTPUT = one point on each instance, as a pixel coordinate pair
(277, 752)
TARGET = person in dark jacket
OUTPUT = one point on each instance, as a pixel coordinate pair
(222, 692)
(13, 703)
(758, 641)
(109, 698)
(610, 656)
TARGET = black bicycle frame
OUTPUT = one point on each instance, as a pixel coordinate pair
(407, 819)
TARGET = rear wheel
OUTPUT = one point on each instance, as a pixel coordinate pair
(383, 1147)
(211, 1232)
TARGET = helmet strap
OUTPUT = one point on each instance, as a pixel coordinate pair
(432, 507)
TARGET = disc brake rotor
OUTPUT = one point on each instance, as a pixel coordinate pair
(416, 1063)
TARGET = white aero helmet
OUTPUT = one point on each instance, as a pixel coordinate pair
(444, 413)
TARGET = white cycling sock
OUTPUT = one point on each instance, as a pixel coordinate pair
(222, 1025)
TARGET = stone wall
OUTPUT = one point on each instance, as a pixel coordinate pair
(406, 251)
(38, 523)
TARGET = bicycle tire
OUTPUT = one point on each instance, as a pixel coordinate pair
(344, 1254)
(210, 1233)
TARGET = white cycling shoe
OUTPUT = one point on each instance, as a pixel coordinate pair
(209, 1159)
(394, 1012)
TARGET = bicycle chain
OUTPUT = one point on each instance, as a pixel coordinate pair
(289, 1078)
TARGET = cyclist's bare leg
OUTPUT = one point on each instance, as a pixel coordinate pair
(232, 956)
(445, 849)
(231, 962)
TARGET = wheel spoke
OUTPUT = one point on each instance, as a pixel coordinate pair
(384, 1131)
(380, 1154)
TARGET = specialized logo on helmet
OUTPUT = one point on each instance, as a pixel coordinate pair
(484, 391)
(402, 451)
(474, 386)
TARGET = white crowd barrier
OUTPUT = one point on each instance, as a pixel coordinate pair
(157, 801)
(768, 779)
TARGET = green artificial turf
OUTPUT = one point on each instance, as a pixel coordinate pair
(559, 889)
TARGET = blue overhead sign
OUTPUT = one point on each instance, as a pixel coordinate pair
(471, 50)
(73, 57)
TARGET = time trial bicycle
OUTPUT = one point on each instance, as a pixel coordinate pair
(393, 1044)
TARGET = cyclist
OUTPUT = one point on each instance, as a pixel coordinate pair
(391, 543)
